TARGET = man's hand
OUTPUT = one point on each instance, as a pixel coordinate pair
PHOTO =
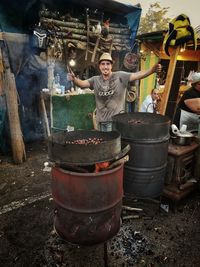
(193, 104)
(70, 75)
(157, 68)
(81, 83)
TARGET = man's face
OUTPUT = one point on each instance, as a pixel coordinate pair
(105, 67)
(155, 94)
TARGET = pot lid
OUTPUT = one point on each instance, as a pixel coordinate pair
(185, 134)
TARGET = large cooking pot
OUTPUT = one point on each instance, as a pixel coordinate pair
(63, 150)
(142, 126)
(182, 139)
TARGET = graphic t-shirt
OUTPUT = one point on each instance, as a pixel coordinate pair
(110, 94)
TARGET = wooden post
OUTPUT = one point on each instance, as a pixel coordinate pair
(17, 143)
(169, 78)
(95, 49)
(51, 66)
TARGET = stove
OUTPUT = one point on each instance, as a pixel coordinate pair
(180, 171)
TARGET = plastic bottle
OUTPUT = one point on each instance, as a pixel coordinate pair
(57, 84)
(57, 79)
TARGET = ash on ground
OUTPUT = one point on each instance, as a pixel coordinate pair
(129, 246)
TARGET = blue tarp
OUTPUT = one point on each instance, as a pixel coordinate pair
(133, 19)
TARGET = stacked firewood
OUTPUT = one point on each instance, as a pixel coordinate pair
(73, 31)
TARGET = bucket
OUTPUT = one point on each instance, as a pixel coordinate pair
(148, 136)
(87, 205)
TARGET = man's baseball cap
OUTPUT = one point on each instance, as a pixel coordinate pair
(195, 77)
(105, 56)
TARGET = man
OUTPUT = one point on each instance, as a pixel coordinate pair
(150, 102)
(110, 89)
(188, 109)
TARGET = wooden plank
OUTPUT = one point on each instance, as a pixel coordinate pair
(44, 113)
(14, 37)
(169, 78)
(187, 55)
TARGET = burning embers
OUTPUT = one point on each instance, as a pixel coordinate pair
(99, 166)
(86, 141)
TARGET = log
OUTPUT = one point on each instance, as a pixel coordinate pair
(130, 217)
(73, 36)
(120, 41)
(116, 39)
(78, 44)
(131, 208)
(118, 25)
(77, 31)
(66, 26)
(17, 143)
(82, 45)
(119, 47)
(73, 30)
(53, 22)
(119, 36)
(56, 15)
(75, 23)
(66, 29)
(117, 33)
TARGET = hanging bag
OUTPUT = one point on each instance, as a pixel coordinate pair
(39, 39)
(180, 32)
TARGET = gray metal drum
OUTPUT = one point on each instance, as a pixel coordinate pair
(148, 136)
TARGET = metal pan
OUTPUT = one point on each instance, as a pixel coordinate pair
(81, 154)
(142, 126)
(183, 139)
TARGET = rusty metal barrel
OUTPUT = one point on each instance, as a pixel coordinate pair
(148, 136)
(87, 205)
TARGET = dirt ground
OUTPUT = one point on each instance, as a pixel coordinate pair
(156, 237)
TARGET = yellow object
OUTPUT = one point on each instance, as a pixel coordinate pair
(180, 32)
(148, 83)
